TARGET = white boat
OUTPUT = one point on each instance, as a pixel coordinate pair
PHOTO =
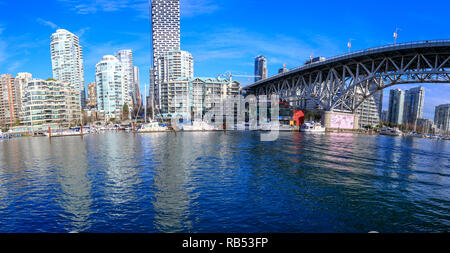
(276, 127)
(391, 131)
(416, 135)
(198, 126)
(152, 127)
(311, 127)
(63, 133)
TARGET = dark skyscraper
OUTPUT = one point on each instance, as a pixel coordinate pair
(413, 108)
(260, 68)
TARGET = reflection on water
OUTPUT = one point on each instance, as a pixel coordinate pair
(224, 182)
(172, 172)
(75, 187)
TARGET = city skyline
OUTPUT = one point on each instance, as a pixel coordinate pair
(217, 45)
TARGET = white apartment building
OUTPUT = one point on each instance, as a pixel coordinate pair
(110, 80)
(199, 95)
(50, 103)
(67, 60)
(172, 65)
(21, 82)
(126, 59)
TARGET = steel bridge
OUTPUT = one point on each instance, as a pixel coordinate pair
(336, 83)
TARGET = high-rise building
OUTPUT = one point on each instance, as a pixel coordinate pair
(9, 100)
(67, 60)
(91, 95)
(21, 82)
(126, 58)
(165, 26)
(424, 125)
(137, 93)
(110, 79)
(172, 65)
(198, 95)
(442, 117)
(384, 116)
(413, 108)
(165, 17)
(369, 111)
(260, 68)
(396, 103)
(50, 103)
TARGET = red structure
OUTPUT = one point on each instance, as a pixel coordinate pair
(287, 111)
(299, 117)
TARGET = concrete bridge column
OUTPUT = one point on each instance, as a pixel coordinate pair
(340, 121)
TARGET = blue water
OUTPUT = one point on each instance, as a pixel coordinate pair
(224, 182)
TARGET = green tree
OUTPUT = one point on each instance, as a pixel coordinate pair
(125, 112)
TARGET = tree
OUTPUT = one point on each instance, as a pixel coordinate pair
(17, 123)
(125, 111)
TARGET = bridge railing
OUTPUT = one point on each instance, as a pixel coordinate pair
(404, 45)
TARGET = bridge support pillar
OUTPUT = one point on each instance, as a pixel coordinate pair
(340, 121)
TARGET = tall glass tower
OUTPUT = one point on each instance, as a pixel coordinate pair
(126, 58)
(413, 108)
(67, 60)
(165, 17)
(260, 68)
(109, 79)
(396, 103)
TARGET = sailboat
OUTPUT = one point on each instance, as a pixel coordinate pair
(153, 125)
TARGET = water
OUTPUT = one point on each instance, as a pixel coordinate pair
(224, 182)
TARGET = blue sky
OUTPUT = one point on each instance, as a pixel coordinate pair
(222, 35)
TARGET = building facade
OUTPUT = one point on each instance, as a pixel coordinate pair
(442, 118)
(126, 59)
(110, 79)
(395, 109)
(194, 97)
(91, 96)
(9, 100)
(137, 100)
(51, 103)
(172, 65)
(424, 126)
(21, 82)
(165, 17)
(260, 68)
(370, 110)
(67, 60)
(413, 107)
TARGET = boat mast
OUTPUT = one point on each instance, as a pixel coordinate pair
(145, 107)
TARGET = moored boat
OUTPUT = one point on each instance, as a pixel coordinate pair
(312, 127)
(391, 131)
(197, 126)
(152, 127)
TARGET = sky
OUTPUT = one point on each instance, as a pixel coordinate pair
(222, 35)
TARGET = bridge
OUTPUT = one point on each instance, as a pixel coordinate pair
(342, 83)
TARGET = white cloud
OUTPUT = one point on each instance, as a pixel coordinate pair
(238, 43)
(191, 8)
(14, 66)
(188, 8)
(93, 6)
(47, 23)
